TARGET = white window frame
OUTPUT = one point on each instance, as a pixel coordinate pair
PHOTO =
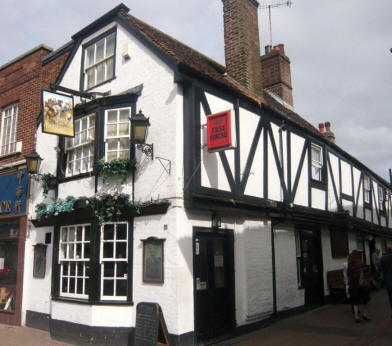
(71, 245)
(381, 198)
(77, 144)
(366, 189)
(117, 137)
(104, 260)
(104, 62)
(9, 125)
(317, 164)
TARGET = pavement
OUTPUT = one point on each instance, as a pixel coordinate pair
(329, 325)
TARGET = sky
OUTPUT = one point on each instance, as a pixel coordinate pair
(341, 63)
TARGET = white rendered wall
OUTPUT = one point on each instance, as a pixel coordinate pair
(287, 291)
(301, 196)
(274, 188)
(36, 291)
(346, 178)
(318, 198)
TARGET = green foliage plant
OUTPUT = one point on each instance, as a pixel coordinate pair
(118, 167)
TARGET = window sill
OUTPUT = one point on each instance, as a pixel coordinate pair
(318, 184)
(90, 302)
(15, 153)
(76, 177)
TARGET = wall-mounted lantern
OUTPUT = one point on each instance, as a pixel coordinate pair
(139, 130)
(215, 221)
(33, 161)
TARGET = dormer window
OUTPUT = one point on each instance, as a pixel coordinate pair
(99, 61)
(317, 162)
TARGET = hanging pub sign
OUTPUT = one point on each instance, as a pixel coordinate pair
(220, 131)
(57, 114)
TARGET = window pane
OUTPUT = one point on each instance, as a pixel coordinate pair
(108, 250)
(72, 285)
(112, 116)
(124, 143)
(108, 231)
(124, 154)
(72, 269)
(90, 78)
(122, 269)
(100, 50)
(109, 68)
(108, 270)
(112, 156)
(90, 55)
(87, 251)
(79, 269)
(79, 286)
(121, 231)
(316, 154)
(110, 45)
(65, 269)
(64, 285)
(108, 287)
(121, 288)
(124, 129)
(79, 233)
(112, 144)
(112, 130)
(121, 250)
(124, 114)
(87, 233)
(100, 73)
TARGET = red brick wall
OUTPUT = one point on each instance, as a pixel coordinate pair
(276, 74)
(242, 45)
(22, 82)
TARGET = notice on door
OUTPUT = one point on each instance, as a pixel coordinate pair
(218, 261)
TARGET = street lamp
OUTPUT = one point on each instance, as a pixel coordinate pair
(33, 162)
(139, 130)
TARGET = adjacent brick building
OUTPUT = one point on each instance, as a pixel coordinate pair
(21, 82)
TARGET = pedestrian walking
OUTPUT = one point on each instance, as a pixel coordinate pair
(386, 271)
(359, 285)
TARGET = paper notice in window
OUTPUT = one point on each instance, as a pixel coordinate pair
(1, 263)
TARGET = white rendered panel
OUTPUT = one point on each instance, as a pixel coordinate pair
(346, 178)
(297, 144)
(348, 205)
(332, 203)
(335, 171)
(368, 215)
(248, 126)
(318, 199)
(374, 199)
(274, 188)
(302, 196)
(255, 184)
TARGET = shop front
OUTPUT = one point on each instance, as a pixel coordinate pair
(13, 196)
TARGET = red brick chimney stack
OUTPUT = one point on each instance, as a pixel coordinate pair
(242, 44)
(276, 74)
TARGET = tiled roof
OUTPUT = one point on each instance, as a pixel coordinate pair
(207, 68)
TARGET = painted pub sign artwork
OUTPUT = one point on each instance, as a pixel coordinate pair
(219, 131)
(58, 117)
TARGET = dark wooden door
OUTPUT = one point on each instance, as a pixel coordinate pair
(312, 272)
(213, 284)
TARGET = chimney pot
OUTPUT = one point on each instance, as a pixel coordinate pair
(321, 127)
(327, 126)
(268, 49)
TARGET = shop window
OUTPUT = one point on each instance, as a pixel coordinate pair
(366, 189)
(117, 134)
(99, 61)
(339, 243)
(317, 162)
(74, 258)
(8, 264)
(114, 261)
(80, 149)
(8, 130)
(153, 260)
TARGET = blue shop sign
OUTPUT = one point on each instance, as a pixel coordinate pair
(13, 193)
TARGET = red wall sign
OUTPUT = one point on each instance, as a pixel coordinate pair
(219, 131)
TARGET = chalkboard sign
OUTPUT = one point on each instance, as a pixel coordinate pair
(150, 325)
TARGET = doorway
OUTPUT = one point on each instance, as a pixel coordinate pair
(213, 261)
(311, 266)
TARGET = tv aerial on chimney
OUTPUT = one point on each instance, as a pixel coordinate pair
(272, 4)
